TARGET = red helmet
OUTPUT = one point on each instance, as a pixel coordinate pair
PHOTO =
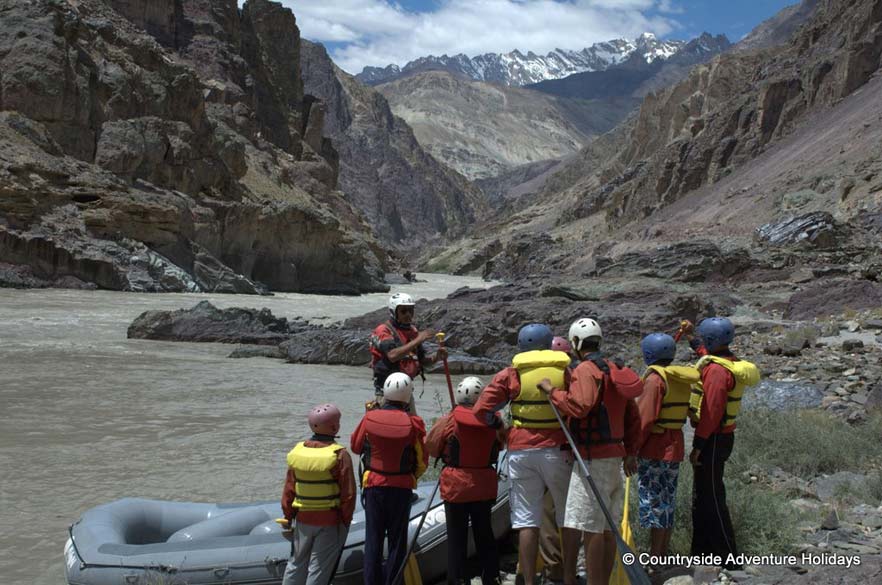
(561, 344)
(325, 419)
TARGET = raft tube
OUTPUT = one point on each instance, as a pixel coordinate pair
(136, 541)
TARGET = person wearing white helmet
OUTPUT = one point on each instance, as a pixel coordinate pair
(396, 345)
(469, 449)
(392, 445)
(603, 418)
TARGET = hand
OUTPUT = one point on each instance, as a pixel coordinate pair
(630, 465)
(545, 385)
(694, 457)
(425, 335)
(440, 354)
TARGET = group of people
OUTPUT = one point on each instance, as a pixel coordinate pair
(617, 420)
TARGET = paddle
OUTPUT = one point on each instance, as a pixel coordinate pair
(440, 337)
(634, 569)
(413, 539)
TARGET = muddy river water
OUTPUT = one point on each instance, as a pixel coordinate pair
(88, 416)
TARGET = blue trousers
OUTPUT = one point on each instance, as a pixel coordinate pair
(387, 513)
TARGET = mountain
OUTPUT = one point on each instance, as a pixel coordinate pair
(787, 135)
(167, 145)
(778, 29)
(628, 76)
(407, 196)
(517, 69)
(481, 130)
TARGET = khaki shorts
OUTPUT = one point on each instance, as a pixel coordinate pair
(582, 511)
(531, 472)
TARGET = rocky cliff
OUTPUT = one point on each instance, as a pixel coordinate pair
(167, 145)
(406, 195)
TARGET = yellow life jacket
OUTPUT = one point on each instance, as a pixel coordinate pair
(675, 404)
(745, 373)
(531, 408)
(315, 486)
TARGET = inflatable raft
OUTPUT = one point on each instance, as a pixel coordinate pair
(150, 542)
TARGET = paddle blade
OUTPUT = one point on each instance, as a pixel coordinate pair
(412, 572)
(627, 574)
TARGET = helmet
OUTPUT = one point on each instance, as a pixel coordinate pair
(468, 390)
(534, 336)
(399, 300)
(324, 419)
(398, 387)
(583, 329)
(657, 347)
(716, 332)
(561, 344)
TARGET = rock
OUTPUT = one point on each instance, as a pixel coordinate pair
(680, 580)
(394, 278)
(329, 346)
(829, 487)
(874, 397)
(691, 261)
(782, 395)
(816, 229)
(831, 522)
(267, 351)
(832, 297)
(852, 326)
(852, 344)
(704, 575)
(873, 324)
(205, 322)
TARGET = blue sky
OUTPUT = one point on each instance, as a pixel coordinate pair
(379, 32)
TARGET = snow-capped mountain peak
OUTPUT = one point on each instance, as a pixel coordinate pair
(517, 68)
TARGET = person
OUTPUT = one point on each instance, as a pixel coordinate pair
(723, 380)
(561, 344)
(602, 414)
(396, 345)
(469, 450)
(320, 492)
(392, 445)
(663, 409)
(536, 461)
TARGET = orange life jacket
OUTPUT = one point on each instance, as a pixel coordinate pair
(473, 444)
(388, 447)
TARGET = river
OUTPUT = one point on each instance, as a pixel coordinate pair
(88, 416)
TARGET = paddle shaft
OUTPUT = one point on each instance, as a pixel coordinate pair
(413, 539)
(635, 572)
(440, 337)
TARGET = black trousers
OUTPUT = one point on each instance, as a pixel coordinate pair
(387, 512)
(458, 516)
(712, 531)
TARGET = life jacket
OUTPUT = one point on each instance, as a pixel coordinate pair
(411, 364)
(678, 391)
(388, 447)
(316, 488)
(745, 373)
(473, 444)
(605, 424)
(531, 408)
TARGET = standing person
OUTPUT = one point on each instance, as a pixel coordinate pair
(663, 408)
(600, 405)
(562, 344)
(320, 491)
(397, 345)
(392, 445)
(723, 380)
(535, 459)
(469, 449)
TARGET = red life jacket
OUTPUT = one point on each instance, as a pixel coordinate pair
(605, 424)
(388, 447)
(410, 364)
(473, 444)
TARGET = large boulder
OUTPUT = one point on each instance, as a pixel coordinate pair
(832, 297)
(817, 229)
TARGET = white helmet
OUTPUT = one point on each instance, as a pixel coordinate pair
(468, 390)
(582, 330)
(399, 300)
(398, 387)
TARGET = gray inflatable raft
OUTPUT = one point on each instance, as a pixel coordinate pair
(150, 542)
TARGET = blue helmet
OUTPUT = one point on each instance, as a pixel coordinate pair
(535, 336)
(657, 347)
(716, 332)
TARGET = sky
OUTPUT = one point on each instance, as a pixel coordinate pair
(380, 32)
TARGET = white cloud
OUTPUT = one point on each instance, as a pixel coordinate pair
(379, 32)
